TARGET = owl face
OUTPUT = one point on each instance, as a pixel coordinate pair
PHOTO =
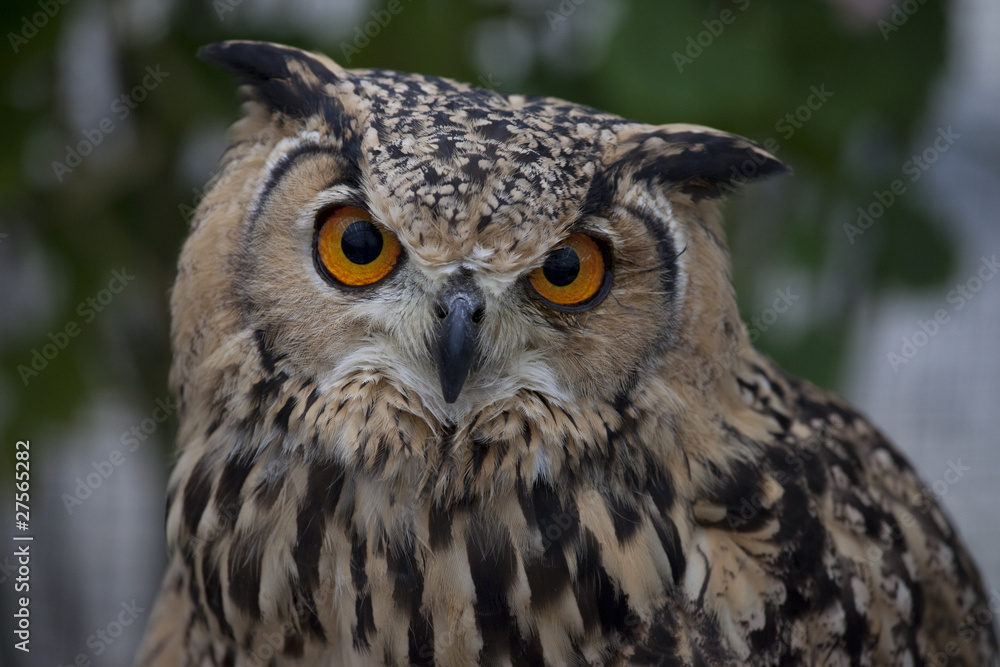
(457, 314)
(458, 245)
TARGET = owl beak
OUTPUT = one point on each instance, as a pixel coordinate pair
(459, 311)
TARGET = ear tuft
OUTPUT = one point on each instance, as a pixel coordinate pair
(699, 161)
(286, 79)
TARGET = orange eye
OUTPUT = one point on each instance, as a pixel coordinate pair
(352, 250)
(574, 275)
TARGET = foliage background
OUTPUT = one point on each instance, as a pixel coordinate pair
(127, 203)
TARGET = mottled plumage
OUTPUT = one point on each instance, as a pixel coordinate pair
(446, 468)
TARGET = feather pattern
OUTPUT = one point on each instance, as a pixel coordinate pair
(627, 483)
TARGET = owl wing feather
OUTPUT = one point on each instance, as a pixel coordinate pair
(826, 548)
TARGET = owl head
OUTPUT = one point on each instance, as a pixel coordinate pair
(452, 246)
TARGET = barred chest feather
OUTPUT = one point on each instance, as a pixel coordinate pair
(487, 546)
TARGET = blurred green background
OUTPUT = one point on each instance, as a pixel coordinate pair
(846, 90)
(125, 204)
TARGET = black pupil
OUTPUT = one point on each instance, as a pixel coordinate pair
(562, 267)
(361, 242)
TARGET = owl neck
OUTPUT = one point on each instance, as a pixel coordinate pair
(661, 427)
(590, 507)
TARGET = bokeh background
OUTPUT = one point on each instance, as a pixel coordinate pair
(110, 127)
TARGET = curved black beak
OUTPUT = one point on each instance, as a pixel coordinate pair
(460, 311)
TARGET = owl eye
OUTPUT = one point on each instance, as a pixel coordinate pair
(575, 275)
(350, 249)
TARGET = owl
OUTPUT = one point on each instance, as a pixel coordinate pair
(462, 381)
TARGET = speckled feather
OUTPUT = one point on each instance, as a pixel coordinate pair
(632, 484)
